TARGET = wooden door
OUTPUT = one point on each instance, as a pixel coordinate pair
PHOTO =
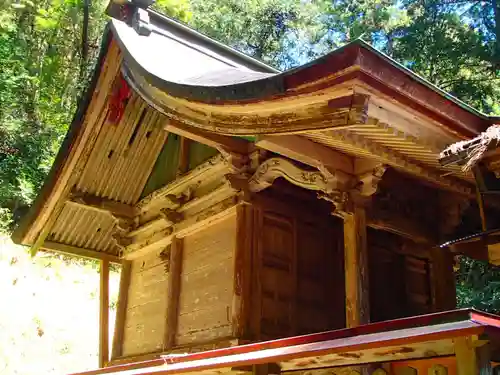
(400, 283)
(298, 273)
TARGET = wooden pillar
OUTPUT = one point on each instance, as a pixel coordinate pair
(104, 314)
(242, 272)
(472, 359)
(443, 280)
(356, 268)
(267, 369)
(174, 289)
(121, 309)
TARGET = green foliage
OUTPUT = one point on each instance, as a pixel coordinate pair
(478, 285)
(179, 9)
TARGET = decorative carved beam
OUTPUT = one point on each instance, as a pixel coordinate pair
(231, 144)
(116, 209)
(274, 168)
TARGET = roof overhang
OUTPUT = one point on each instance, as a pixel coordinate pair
(355, 100)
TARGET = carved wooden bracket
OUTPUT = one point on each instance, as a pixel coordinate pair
(165, 256)
(368, 182)
(452, 206)
(271, 169)
(171, 215)
(237, 163)
(337, 187)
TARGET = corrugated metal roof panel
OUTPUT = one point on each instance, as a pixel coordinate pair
(81, 227)
(124, 154)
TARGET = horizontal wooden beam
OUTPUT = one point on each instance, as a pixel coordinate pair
(228, 143)
(191, 224)
(92, 202)
(211, 170)
(79, 252)
(402, 226)
(307, 152)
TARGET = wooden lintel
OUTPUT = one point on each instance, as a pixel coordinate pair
(228, 143)
(80, 252)
(117, 209)
(306, 151)
(121, 309)
(104, 314)
(174, 285)
(356, 268)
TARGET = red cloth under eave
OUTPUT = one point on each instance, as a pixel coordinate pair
(118, 100)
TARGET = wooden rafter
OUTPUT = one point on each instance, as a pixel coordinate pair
(92, 202)
(216, 141)
(79, 252)
(356, 144)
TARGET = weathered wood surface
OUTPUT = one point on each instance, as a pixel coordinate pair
(104, 314)
(207, 284)
(356, 268)
(121, 310)
(174, 290)
(407, 274)
(242, 282)
(443, 280)
(147, 298)
(295, 268)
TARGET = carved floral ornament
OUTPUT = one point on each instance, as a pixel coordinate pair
(336, 187)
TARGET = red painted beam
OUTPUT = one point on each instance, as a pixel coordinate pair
(405, 331)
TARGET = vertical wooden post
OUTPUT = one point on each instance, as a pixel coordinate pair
(183, 164)
(472, 360)
(267, 369)
(104, 314)
(443, 280)
(174, 290)
(356, 268)
(242, 271)
(121, 309)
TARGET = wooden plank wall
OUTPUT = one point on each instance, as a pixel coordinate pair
(146, 305)
(207, 284)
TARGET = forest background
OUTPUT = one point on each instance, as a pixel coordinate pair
(48, 49)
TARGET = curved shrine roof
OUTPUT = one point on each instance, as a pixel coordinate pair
(354, 100)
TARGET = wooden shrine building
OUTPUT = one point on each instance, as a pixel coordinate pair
(248, 205)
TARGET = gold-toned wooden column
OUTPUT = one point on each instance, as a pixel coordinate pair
(121, 309)
(104, 314)
(353, 211)
(356, 267)
(472, 359)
